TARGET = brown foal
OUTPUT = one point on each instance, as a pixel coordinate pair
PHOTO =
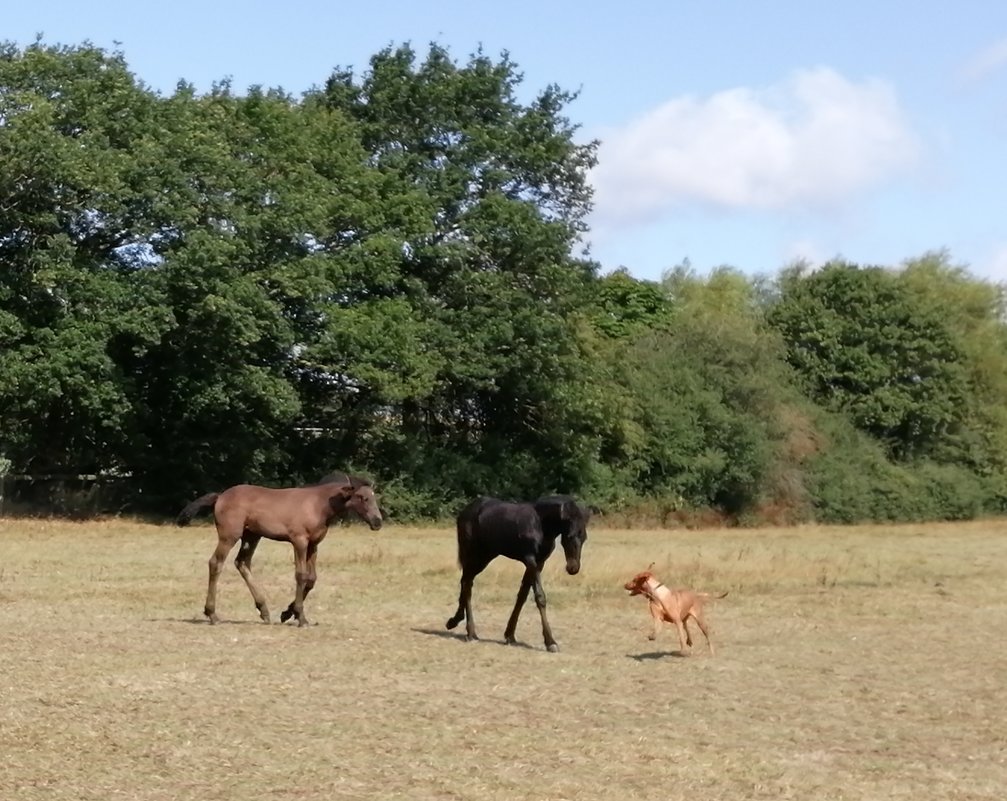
(298, 515)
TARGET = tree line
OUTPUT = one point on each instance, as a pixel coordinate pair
(388, 274)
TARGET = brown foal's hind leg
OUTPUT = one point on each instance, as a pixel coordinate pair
(224, 545)
(243, 561)
(289, 612)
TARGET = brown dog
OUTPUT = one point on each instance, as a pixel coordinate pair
(676, 606)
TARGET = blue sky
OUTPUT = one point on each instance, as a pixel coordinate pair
(735, 132)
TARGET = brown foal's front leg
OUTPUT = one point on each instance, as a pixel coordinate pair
(301, 577)
(290, 612)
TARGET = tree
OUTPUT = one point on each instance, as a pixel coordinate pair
(481, 204)
(865, 346)
(628, 306)
(74, 196)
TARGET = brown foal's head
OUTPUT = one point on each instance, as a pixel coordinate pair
(362, 501)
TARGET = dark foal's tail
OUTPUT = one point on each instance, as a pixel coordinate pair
(466, 521)
(464, 538)
(194, 508)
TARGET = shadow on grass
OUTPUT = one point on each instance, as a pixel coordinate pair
(656, 655)
(451, 635)
(202, 621)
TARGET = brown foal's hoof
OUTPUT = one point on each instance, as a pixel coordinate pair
(471, 638)
(553, 648)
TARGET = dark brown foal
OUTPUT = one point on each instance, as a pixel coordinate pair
(298, 515)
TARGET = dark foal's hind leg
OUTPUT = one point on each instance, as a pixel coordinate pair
(309, 585)
(527, 582)
(243, 561)
(464, 611)
(216, 564)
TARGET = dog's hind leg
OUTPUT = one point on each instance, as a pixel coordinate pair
(702, 627)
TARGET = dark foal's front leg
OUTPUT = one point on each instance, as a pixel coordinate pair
(550, 642)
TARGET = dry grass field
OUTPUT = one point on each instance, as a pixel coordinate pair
(862, 663)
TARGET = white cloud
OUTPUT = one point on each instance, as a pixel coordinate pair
(984, 63)
(804, 250)
(814, 140)
(996, 266)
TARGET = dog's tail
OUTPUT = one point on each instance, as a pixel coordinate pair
(194, 508)
(710, 596)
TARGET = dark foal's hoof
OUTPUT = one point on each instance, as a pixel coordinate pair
(452, 622)
(552, 649)
(285, 615)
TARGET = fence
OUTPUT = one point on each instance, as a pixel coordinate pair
(64, 496)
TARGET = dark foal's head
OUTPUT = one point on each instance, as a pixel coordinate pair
(562, 516)
(362, 501)
(574, 537)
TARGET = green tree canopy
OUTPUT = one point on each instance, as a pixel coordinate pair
(867, 347)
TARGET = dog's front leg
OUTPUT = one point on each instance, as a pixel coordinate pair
(656, 618)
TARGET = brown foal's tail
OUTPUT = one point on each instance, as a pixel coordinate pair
(194, 508)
